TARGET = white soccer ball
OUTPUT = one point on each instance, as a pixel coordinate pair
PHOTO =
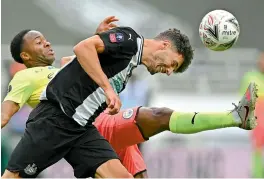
(219, 30)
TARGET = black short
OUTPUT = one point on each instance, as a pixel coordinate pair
(50, 136)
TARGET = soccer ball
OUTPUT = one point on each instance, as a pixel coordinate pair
(219, 30)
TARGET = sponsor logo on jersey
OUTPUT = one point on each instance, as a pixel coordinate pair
(118, 84)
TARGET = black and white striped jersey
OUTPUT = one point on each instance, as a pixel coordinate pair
(77, 94)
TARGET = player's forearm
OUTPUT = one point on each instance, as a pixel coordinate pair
(4, 120)
(8, 109)
(88, 58)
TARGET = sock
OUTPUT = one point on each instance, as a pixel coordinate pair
(257, 165)
(189, 123)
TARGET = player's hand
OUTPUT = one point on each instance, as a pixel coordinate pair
(113, 102)
(107, 24)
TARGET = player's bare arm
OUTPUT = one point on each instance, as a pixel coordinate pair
(87, 55)
(86, 52)
(8, 109)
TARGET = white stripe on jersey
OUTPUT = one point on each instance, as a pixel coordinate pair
(97, 98)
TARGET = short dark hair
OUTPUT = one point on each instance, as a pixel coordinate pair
(17, 44)
(181, 43)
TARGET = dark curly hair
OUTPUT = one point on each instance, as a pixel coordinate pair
(17, 44)
(182, 45)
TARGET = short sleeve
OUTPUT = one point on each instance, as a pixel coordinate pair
(20, 90)
(122, 40)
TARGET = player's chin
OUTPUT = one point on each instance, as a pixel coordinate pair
(50, 60)
(152, 72)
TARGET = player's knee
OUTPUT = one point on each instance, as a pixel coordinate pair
(162, 116)
(8, 174)
(112, 169)
(141, 175)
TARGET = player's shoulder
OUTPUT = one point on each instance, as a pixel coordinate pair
(28, 74)
(23, 74)
(127, 30)
(21, 77)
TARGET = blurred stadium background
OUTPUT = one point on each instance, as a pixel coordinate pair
(211, 84)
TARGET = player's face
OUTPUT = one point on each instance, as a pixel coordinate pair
(166, 60)
(37, 50)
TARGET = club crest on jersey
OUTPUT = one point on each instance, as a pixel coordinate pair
(128, 113)
(116, 37)
(50, 76)
(31, 169)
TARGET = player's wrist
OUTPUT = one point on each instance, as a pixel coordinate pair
(108, 88)
(105, 84)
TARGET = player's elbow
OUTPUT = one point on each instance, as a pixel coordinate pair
(3, 123)
(78, 48)
(4, 120)
(83, 46)
(92, 44)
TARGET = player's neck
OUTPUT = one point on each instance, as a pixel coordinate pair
(148, 50)
(38, 64)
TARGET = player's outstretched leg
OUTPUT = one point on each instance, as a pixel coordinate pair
(257, 163)
(155, 120)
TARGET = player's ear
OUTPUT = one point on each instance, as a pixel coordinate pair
(166, 44)
(25, 56)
